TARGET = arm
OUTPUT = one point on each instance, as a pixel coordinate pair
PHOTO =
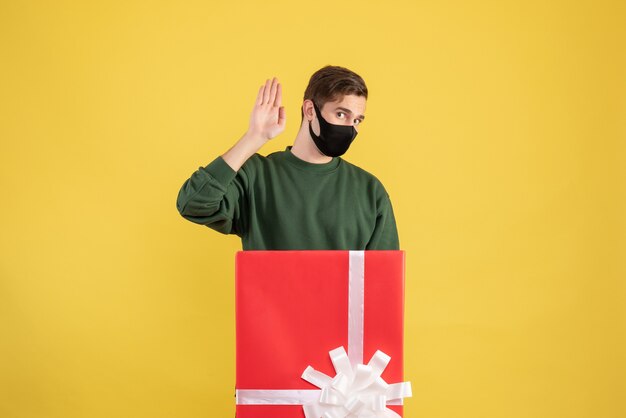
(385, 235)
(215, 195)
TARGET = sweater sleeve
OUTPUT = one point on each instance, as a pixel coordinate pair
(215, 196)
(385, 235)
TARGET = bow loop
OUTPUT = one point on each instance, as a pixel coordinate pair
(354, 392)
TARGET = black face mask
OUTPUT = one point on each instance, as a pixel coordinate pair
(333, 140)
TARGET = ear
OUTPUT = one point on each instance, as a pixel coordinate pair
(308, 110)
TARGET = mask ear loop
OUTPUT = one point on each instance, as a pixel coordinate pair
(318, 115)
(318, 112)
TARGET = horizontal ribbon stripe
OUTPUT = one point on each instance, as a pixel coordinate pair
(276, 397)
(287, 396)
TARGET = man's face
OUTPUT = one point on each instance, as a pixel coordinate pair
(348, 110)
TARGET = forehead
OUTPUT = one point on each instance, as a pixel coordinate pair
(352, 102)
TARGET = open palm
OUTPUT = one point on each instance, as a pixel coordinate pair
(268, 116)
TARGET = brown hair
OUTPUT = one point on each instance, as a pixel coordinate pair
(330, 83)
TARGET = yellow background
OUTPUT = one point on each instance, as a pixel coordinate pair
(497, 127)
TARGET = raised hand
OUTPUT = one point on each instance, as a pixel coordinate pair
(268, 117)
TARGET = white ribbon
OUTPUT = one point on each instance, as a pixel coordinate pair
(356, 306)
(353, 392)
(357, 390)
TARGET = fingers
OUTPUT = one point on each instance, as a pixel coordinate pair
(270, 93)
(266, 91)
(279, 95)
(282, 117)
(259, 97)
(273, 90)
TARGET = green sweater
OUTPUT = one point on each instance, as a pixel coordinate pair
(281, 202)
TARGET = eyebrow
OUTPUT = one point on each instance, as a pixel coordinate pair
(362, 117)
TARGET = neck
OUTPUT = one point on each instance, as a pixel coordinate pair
(304, 148)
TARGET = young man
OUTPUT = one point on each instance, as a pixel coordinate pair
(303, 198)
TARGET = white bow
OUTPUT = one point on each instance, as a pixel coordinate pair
(358, 392)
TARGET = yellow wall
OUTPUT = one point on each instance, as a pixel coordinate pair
(497, 127)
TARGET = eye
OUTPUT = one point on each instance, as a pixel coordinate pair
(339, 114)
(357, 121)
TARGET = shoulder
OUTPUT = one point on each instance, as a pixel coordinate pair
(257, 160)
(364, 177)
(260, 165)
(255, 163)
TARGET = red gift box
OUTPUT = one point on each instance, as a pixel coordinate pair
(294, 307)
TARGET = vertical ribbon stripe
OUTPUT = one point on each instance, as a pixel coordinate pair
(356, 306)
